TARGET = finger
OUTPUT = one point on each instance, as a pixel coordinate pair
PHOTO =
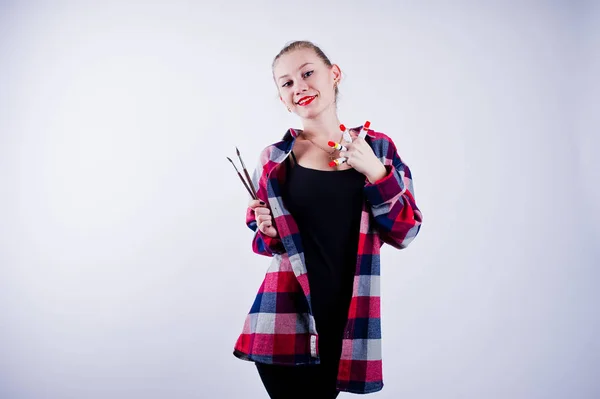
(262, 211)
(337, 162)
(265, 219)
(264, 226)
(337, 146)
(269, 230)
(255, 203)
(358, 141)
(346, 134)
(365, 128)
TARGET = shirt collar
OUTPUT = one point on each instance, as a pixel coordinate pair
(296, 132)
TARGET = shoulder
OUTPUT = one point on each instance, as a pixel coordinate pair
(275, 152)
(382, 144)
(379, 137)
(373, 137)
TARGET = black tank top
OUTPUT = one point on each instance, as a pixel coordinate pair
(327, 207)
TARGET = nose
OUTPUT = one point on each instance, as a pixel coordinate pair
(301, 87)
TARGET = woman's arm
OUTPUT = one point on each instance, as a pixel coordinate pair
(263, 244)
(392, 202)
(266, 240)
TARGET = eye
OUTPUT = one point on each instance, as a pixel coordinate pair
(289, 82)
(307, 74)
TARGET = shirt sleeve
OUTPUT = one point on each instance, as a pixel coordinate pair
(261, 243)
(392, 202)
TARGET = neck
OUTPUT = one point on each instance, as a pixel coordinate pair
(326, 126)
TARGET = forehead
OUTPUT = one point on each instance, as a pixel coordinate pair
(291, 62)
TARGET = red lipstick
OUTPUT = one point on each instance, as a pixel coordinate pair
(304, 101)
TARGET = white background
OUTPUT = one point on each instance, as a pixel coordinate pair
(126, 268)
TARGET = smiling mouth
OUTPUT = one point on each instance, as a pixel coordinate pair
(304, 101)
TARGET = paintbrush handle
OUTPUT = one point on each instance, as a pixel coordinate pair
(250, 183)
(251, 192)
(246, 172)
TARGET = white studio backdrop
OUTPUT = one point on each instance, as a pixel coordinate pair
(125, 265)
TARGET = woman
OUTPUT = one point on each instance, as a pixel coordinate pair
(314, 327)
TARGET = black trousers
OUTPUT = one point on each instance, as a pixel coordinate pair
(316, 381)
(299, 382)
(310, 381)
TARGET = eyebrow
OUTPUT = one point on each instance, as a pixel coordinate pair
(301, 66)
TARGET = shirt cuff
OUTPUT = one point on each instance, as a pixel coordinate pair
(386, 188)
(274, 244)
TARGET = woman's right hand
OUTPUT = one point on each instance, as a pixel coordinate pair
(263, 217)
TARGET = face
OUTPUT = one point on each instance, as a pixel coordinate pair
(305, 83)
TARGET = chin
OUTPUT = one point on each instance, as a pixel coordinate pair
(309, 113)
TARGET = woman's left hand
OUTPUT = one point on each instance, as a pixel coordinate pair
(361, 157)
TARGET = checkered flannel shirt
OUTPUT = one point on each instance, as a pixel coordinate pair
(280, 327)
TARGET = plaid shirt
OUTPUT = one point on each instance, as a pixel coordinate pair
(280, 327)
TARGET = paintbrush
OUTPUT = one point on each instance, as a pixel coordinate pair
(252, 194)
(246, 173)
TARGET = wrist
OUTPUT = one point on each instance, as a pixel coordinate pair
(378, 173)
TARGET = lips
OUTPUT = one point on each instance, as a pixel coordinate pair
(304, 101)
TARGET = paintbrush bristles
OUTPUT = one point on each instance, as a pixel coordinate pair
(235, 167)
(240, 157)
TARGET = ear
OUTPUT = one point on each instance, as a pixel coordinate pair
(336, 72)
